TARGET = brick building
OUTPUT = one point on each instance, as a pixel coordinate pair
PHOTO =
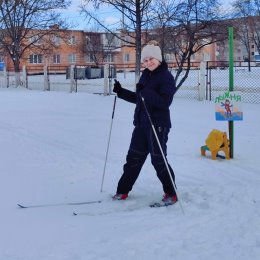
(78, 47)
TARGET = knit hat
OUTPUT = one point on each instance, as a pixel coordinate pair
(151, 51)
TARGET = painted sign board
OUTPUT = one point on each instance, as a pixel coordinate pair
(228, 106)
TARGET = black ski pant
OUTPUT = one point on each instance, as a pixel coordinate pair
(143, 142)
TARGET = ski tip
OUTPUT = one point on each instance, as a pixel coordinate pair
(21, 206)
(75, 213)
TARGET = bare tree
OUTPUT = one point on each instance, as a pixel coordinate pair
(135, 19)
(162, 14)
(243, 9)
(182, 27)
(94, 47)
(25, 23)
(255, 23)
(100, 47)
(110, 44)
(185, 27)
(198, 25)
(248, 25)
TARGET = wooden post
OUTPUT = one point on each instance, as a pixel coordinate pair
(46, 78)
(202, 82)
(72, 79)
(106, 67)
(25, 78)
(6, 77)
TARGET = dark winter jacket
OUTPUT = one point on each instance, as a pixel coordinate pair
(157, 89)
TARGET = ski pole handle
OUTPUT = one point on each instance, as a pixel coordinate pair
(114, 106)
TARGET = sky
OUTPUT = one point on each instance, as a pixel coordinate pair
(108, 15)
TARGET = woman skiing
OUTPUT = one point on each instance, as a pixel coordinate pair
(157, 88)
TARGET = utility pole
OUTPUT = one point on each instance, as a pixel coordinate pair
(231, 86)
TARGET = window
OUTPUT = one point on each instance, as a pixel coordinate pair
(109, 58)
(56, 58)
(90, 57)
(87, 40)
(206, 56)
(127, 57)
(35, 58)
(168, 57)
(72, 58)
(56, 40)
(257, 57)
(35, 39)
(72, 40)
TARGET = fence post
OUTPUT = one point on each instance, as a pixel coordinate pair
(25, 78)
(6, 79)
(46, 78)
(72, 79)
(106, 79)
(202, 79)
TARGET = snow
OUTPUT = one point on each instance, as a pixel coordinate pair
(52, 150)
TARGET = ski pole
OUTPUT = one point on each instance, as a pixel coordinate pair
(163, 155)
(104, 170)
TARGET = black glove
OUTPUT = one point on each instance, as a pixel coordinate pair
(139, 87)
(117, 87)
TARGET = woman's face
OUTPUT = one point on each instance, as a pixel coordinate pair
(151, 63)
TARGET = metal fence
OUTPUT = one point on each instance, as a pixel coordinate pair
(213, 80)
(71, 79)
(246, 80)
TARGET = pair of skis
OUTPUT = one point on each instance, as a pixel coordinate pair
(23, 206)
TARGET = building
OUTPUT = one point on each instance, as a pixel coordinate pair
(93, 49)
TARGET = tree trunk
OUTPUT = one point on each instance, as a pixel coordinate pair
(138, 43)
(16, 62)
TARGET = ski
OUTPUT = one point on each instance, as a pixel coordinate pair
(117, 208)
(57, 204)
(111, 207)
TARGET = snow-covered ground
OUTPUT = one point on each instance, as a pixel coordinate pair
(52, 150)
